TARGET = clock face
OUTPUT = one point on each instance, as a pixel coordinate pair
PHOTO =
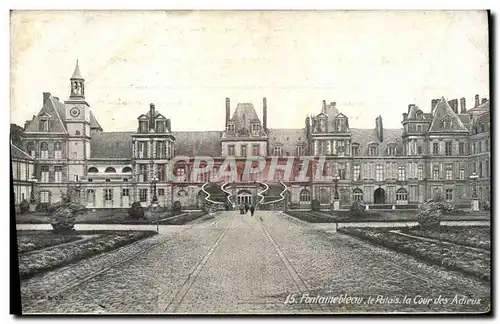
(74, 112)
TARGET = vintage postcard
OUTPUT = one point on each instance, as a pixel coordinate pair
(251, 162)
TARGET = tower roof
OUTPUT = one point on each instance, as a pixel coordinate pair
(77, 74)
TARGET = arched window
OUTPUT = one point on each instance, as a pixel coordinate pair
(182, 193)
(401, 196)
(44, 150)
(305, 196)
(357, 194)
(57, 150)
(126, 170)
(30, 147)
(110, 170)
(92, 170)
(419, 128)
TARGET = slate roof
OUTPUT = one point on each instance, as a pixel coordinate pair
(77, 74)
(55, 109)
(364, 137)
(441, 110)
(243, 117)
(94, 124)
(111, 145)
(289, 138)
(205, 143)
(17, 153)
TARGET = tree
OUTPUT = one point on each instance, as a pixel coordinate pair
(16, 135)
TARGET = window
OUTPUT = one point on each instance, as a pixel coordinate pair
(357, 194)
(419, 128)
(447, 148)
(126, 170)
(90, 180)
(255, 149)
(342, 171)
(230, 128)
(44, 197)
(449, 172)
(182, 193)
(125, 192)
(57, 150)
(300, 150)
(355, 150)
(108, 194)
(379, 173)
(243, 149)
(372, 150)
(401, 195)
(479, 147)
(487, 168)
(255, 129)
(180, 173)
(143, 126)
(419, 150)
(44, 125)
(143, 172)
(160, 126)
(435, 148)
(435, 172)
(44, 170)
(449, 194)
(230, 150)
(340, 148)
(161, 192)
(461, 148)
(58, 173)
(401, 173)
(161, 170)
(391, 150)
(473, 148)
(92, 170)
(44, 150)
(480, 169)
(305, 196)
(486, 145)
(108, 180)
(277, 151)
(420, 172)
(110, 170)
(461, 173)
(160, 150)
(142, 152)
(357, 172)
(322, 125)
(143, 195)
(125, 179)
(30, 147)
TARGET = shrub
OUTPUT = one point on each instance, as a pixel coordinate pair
(358, 208)
(136, 211)
(429, 215)
(315, 205)
(484, 205)
(24, 207)
(177, 209)
(63, 219)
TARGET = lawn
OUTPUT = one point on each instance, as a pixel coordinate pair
(339, 216)
(455, 257)
(475, 236)
(51, 257)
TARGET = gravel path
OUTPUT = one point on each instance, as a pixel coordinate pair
(239, 264)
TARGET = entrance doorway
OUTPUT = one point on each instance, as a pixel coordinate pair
(379, 196)
(244, 197)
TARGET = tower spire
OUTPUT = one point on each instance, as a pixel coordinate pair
(77, 83)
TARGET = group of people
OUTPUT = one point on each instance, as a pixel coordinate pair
(244, 208)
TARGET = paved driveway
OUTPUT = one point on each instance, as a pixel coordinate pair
(240, 264)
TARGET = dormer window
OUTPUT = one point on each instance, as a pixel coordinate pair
(230, 128)
(419, 128)
(143, 126)
(160, 126)
(255, 129)
(419, 115)
(339, 125)
(44, 125)
(391, 150)
(322, 125)
(355, 149)
(277, 151)
(372, 150)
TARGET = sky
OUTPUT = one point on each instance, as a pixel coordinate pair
(187, 62)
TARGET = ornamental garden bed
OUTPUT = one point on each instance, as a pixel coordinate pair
(35, 241)
(474, 236)
(41, 261)
(183, 218)
(451, 256)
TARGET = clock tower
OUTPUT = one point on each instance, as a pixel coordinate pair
(77, 121)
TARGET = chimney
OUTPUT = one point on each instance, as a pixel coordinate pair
(264, 114)
(151, 115)
(323, 109)
(333, 104)
(476, 101)
(27, 124)
(410, 106)
(308, 126)
(379, 128)
(434, 102)
(454, 105)
(228, 110)
(168, 126)
(484, 100)
(463, 108)
(46, 95)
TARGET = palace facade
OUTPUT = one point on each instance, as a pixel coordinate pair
(434, 151)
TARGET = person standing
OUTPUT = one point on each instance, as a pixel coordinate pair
(246, 208)
(252, 210)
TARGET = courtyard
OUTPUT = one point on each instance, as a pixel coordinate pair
(236, 263)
